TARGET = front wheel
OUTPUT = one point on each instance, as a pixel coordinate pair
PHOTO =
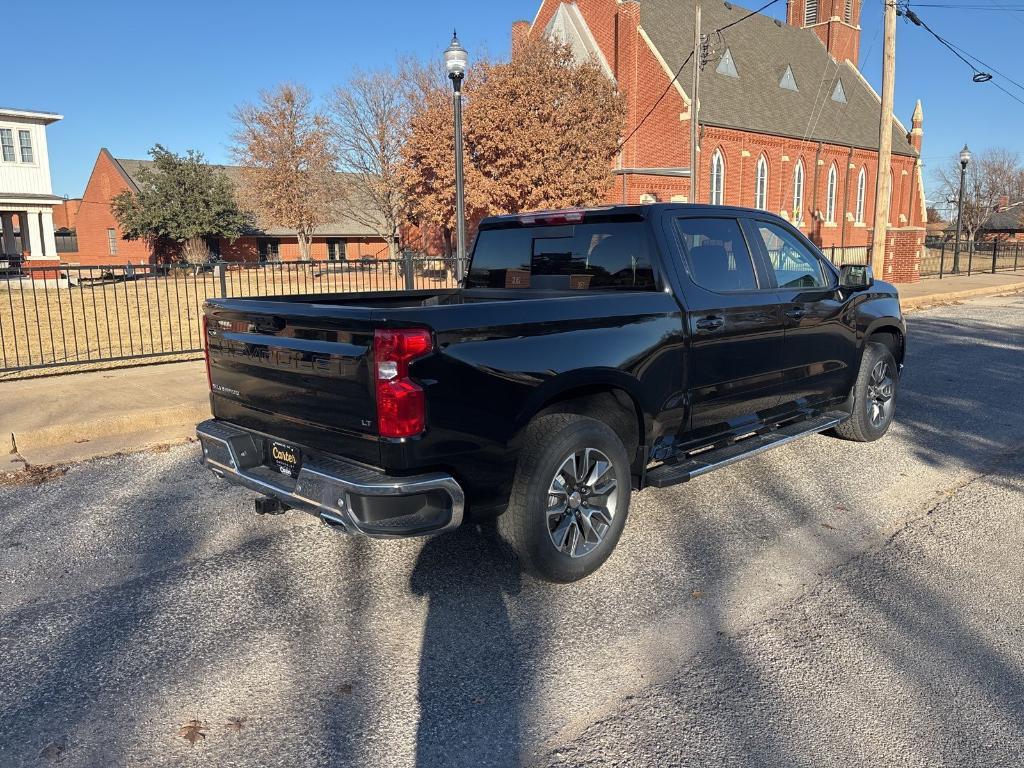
(569, 499)
(874, 396)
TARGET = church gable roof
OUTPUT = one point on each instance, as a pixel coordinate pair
(760, 48)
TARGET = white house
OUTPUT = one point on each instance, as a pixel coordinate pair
(26, 195)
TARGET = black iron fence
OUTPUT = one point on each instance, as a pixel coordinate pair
(54, 317)
(941, 259)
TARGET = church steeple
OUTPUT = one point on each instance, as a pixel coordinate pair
(836, 22)
(916, 127)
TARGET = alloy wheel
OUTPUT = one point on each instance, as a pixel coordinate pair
(881, 393)
(581, 502)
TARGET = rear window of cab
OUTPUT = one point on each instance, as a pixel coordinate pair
(584, 256)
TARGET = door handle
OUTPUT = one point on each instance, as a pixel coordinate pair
(710, 323)
(796, 313)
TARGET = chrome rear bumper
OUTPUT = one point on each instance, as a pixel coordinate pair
(359, 499)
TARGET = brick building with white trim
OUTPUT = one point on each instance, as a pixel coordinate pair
(787, 121)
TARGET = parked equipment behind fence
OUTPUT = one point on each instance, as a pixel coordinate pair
(51, 317)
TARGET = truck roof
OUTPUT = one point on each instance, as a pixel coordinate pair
(636, 211)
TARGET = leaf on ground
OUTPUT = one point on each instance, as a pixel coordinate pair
(830, 527)
(235, 724)
(841, 508)
(697, 594)
(478, 700)
(345, 689)
(193, 731)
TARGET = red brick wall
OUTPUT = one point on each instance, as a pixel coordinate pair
(242, 249)
(903, 246)
(247, 248)
(842, 40)
(95, 217)
(663, 139)
(65, 214)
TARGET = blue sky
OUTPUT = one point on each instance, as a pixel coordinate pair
(127, 74)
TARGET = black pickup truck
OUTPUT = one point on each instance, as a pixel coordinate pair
(589, 353)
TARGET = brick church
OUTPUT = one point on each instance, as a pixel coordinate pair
(787, 122)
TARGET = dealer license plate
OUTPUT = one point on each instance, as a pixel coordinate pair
(287, 458)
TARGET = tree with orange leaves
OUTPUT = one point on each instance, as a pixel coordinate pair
(540, 131)
(284, 147)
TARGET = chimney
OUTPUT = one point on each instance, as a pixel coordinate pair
(520, 34)
(916, 130)
(1004, 202)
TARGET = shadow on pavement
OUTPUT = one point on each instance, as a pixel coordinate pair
(471, 668)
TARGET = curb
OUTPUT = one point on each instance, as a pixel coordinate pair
(917, 302)
(65, 434)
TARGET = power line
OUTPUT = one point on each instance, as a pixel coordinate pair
(679, 71)
(969, 7)
(964, 56)
(744, 18)
(656, 103)
(988, 66)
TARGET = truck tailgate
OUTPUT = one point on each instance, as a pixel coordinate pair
(297, 372)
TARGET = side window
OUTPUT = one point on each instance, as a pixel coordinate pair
(717, 254)
(793, 264)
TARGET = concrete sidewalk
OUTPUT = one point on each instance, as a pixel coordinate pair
(61, 419)
(932, 291)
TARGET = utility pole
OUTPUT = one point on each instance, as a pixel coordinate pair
(694, 117)
(882, 183)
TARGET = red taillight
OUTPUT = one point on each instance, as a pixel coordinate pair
(401, 408)
(206, 351)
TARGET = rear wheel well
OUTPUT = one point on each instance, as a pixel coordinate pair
(613, 406)
(891, 337)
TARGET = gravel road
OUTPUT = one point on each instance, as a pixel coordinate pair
(824, 603)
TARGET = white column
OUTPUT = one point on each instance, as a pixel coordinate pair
(7, 218)
(49, 241)
(35, 239)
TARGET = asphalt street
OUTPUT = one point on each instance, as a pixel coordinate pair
(824, 603)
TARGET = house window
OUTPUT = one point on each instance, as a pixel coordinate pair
(270, 250)
(112, 241)
(761, 184)
(7, 142)
(798, 192)
(858, 214)
(336, 249)
(830, 196)
(811, 12)
(717, 178)
(25, 138)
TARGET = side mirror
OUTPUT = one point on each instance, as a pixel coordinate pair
(856, 277)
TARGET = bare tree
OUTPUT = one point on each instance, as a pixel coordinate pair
(283, 145)
(991, 175)
(369, 125)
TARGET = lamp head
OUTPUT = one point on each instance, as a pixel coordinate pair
(455, 59)
(965, 156)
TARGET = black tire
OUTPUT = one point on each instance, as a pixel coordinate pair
(874, 401)
(591, 522)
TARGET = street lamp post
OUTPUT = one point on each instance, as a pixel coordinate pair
(965, 158)
(455, 59)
